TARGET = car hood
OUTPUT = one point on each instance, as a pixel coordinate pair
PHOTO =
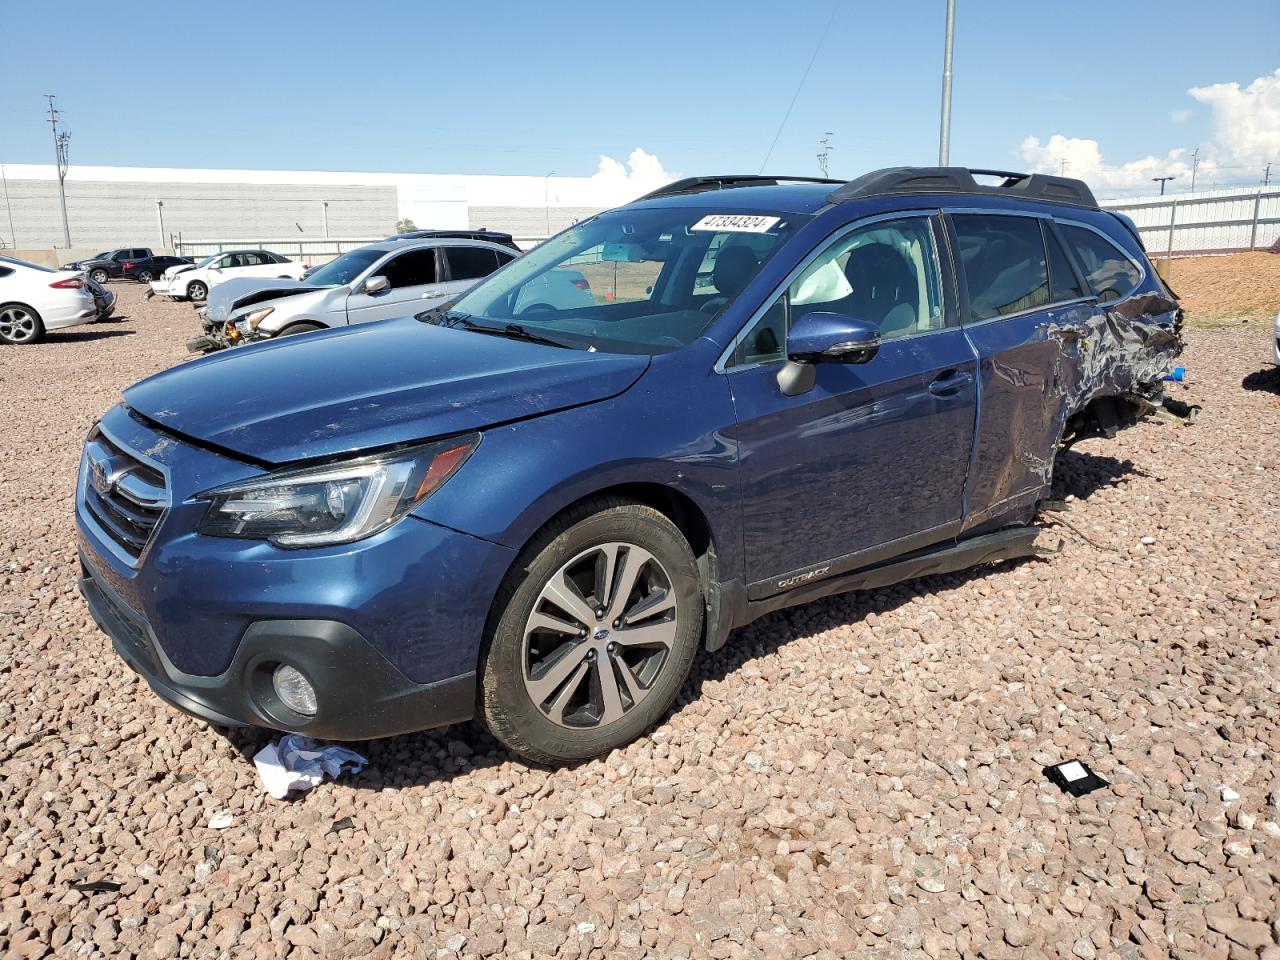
(231, 295)
(372, 385)
(180, 268)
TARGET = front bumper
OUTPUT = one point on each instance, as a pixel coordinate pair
(361, 695)
(397, 617)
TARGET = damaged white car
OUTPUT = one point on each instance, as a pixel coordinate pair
(194, 281)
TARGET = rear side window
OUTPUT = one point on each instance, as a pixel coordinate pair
(1004, 264)
(412, 269)
(1063, 284)
(1111, 274)
(5, 271)
(470, 263)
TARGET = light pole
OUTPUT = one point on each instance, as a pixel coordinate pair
(13, 236)
(546, 198)
(160, 214)
(1162, 181)
(944, 130)
(324, 209)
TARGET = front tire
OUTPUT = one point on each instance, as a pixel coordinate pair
(593, 633)
(301, 328)
(20, 324)
(197, 290)
(98, 276)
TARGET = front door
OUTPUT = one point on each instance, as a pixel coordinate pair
(413, 279)
(872, 461)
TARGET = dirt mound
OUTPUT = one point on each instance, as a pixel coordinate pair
(1219, 288)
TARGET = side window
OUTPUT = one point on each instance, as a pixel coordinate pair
(1063, 284)
(884, 273)
(1004, 264)
(252, 260)
(5, 271)
(1110, 272)
(229, 261)
(505, 258)
(470, 263)
(412, 269)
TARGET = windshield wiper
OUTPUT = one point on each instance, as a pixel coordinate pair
(513, 331)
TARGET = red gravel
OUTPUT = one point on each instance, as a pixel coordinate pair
(856, 777)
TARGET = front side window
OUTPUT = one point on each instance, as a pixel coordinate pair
(1004, 264)
(1111, 274)
(470, 263)
(345, 269)
(645, 280)
(229, 261)
(884, 273)
(412, 269)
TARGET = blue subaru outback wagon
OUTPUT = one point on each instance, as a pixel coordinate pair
(535, 510)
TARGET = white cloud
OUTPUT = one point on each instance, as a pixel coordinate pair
(1246, 122)
(1246, 134)
(615, 182)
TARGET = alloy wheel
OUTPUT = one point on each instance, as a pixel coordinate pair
(144, 276)
(99, 276)
(18, 325)
(601, 631)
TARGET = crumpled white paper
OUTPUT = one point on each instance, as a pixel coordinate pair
(296, 762)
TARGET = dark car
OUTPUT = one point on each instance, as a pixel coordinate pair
(103, 299)
(109, 265)
(538, 514)
(493, 236)
(149, 268)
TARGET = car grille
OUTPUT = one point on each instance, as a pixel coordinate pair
(124, 495)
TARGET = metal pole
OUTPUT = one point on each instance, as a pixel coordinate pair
(944, 130)
(1173, 216)
(1253, 233)
(60, 159)
(13, 236)
(546, 198)
(324, 206)
(160, 213)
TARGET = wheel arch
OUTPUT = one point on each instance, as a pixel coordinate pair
(676, 505)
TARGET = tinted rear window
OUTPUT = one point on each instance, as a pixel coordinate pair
(1004, 264)
(1063, 284)
(1110, 272)
(470, 263)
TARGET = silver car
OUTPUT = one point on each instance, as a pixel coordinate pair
(393, 278)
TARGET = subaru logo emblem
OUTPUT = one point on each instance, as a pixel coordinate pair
(101, 482)
(602, 633)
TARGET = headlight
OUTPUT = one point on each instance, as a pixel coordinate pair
(252, 320)
(337, 502)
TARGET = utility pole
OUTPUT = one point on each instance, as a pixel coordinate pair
(1266, 175)
(1195, 163)
(160, 214)
(324, 209)
(1162, 181)
(61, 142)
(1062, 166)
(824, 152)
(944, 127)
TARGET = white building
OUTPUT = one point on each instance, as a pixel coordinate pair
(152, 206)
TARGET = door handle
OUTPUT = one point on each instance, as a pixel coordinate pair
(949, 383)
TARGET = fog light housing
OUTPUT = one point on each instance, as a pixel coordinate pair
(294, 690)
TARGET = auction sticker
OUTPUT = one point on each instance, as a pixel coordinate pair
(735, 223)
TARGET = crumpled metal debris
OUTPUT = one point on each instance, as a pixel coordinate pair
(296, 762)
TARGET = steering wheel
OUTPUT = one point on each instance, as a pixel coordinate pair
(714, 305)
(537, 310)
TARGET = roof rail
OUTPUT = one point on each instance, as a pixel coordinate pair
(699, 184)
(1029, 186)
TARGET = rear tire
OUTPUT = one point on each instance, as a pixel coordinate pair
(593, 633)
(99, 276)
(20, 324)
(197, 290)
(143, 276)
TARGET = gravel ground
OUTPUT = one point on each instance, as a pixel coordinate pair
(856, 777)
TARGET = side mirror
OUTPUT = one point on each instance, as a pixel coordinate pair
(376, 284)
(821, 337)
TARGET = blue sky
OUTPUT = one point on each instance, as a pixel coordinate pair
(527, 88)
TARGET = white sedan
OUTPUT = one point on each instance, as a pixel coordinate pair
(34, 299)
(188, 282)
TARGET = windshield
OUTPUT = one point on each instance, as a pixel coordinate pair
(339, 272)
(208, 260)
(631, 281)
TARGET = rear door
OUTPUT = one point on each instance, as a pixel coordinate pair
(872, 461)
(1020, 320)
(414, 285)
